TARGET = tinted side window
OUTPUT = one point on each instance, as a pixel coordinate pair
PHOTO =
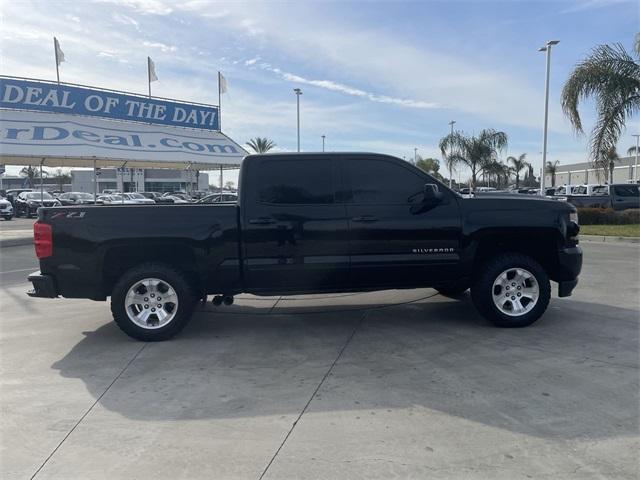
(627, 190)
(295, 181)
(383, 182)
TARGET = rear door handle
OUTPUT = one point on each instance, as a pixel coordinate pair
(261, 221)
(365, 219)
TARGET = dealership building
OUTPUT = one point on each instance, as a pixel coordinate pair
(140, 180)
(624, 171)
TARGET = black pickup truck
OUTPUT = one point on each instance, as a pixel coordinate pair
(310, 223)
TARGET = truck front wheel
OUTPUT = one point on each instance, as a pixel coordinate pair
(152, 302)
(512, 290)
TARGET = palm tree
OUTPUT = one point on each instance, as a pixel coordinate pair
(608, 162)
(261, 145)
(632, 151)
(31, 173)
(551, 168)
(517, 165)
(474, 151)
(611, 76)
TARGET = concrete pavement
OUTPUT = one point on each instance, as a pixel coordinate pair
(396, 384)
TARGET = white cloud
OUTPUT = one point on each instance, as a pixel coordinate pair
(346, 89)
(147, 7)
(126, 20)
(161, 46)
(592, 5)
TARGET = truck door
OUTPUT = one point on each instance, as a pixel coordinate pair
(295, 234)
(625, 196)
(392, 241)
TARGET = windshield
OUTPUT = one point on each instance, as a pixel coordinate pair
(86, 196)
(136, 195)
(36, 196)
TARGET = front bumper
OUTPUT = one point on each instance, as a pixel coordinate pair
(44, 286)
(570, 266)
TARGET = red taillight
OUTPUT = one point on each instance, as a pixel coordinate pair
(42, 239)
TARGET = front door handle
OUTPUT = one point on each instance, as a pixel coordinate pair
(365, 219)
(261, 221)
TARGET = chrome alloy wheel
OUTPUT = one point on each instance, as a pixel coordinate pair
(151, 303)
(515, 292)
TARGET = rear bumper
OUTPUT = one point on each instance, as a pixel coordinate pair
(44, 286)
(570, 263)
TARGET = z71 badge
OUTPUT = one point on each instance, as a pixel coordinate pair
(69, 215)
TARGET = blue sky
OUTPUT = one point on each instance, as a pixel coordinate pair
(376, 76)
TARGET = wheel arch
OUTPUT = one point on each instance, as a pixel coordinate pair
(541, 244)
(118, 259)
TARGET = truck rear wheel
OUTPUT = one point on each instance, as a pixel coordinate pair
(152, 302)
(513, 290)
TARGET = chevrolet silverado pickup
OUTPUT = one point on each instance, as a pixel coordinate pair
(310, 223)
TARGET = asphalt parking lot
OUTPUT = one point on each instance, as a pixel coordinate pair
(395, 384)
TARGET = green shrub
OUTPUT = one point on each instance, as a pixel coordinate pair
(606, 216)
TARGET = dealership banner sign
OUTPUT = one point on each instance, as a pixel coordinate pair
(59, 136)
(20, 94)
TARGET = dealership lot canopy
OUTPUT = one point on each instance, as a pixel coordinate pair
(57, 140)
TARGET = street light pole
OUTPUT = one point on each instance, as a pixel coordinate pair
(451, 124)
(547, 49)
(298, 93)
(323, 142)
(635, 170)
(415, 155)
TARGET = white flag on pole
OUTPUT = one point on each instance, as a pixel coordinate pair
(59, 52)
(152, 71)
(222, 82)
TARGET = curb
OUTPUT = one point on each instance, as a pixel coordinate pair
(16, 242)
(608, 239)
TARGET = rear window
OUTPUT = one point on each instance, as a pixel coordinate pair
(36, 195)
(295, 181)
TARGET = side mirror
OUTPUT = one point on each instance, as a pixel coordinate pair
(431, 193)
(431, 196)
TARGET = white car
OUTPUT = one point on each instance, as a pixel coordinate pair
(139, 198)
(115, 200)
(6, 209)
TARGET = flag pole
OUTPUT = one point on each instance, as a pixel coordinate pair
(219, 106)
(55, 51)
(149, 74)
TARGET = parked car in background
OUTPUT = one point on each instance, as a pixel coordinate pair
(139, 198)
(13, 193)
(219, 197)
(27, 203)
(181, 195)
(619, 196)
(76, 198)
(157, 197)
(177, 199)
(115, 200)
(6, 209)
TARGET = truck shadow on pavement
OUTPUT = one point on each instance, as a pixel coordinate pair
(574, 374)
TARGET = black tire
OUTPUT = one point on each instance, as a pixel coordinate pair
(176, 279)
(482, 292)
(8, 217)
